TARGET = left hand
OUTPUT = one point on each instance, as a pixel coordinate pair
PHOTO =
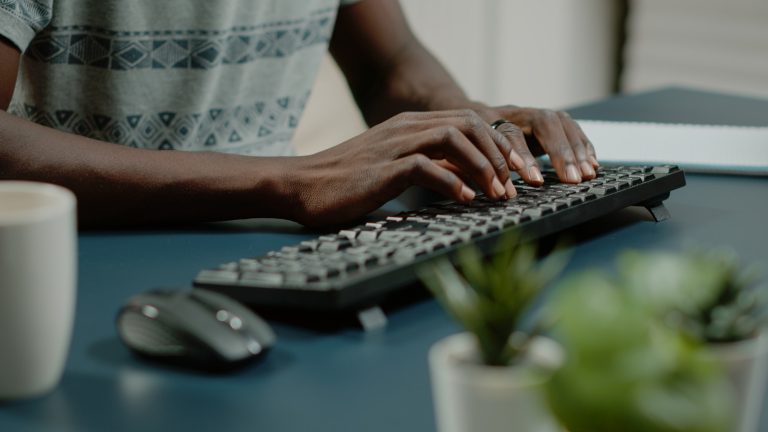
(534, 132)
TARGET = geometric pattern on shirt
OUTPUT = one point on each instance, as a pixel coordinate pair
(213, 129)
(34, 13)
(179, 49)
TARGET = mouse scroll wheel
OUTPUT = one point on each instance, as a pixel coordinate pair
(230, 319)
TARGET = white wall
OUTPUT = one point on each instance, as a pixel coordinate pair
(712, 44)
(546, 53)
(550, 53)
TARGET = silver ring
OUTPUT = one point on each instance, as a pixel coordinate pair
(499, 122)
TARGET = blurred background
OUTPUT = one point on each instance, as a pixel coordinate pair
(561, 53)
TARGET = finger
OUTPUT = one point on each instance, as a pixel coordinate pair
(418, 169)
(548, 129)
(511, 192)
(592, 155)
(571, 130)
(448, 142)
(529, 169)
(491, 143)
(443, 163)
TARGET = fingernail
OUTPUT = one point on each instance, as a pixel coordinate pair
(510, 188)
(594, 161)
(535, 174)
(572, 174)
(467, 194)
(587, 169)
(498, 188)
(516, 160)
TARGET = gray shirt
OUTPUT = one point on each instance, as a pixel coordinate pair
(224, 75)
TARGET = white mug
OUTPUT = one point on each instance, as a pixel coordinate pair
(38, 260)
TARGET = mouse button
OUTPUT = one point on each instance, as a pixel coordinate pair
(230, 312)
(142, 333)
(237, 316)
(200, 323)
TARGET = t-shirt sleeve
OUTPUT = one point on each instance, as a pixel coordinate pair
(21, 20)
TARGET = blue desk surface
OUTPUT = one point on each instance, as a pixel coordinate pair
(320, 381)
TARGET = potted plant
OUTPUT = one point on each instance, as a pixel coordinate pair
(709, 296)
(626, 370)
(490, 377)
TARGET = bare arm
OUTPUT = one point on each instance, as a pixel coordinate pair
(387, 68)
(390, 71)
(118, 185)
(9, 67)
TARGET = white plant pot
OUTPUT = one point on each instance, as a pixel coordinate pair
(746, 366)
(472, 397)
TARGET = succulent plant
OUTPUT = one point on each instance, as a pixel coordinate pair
(627, 371)
(706, 293)
(489, 298)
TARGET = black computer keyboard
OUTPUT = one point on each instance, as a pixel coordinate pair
(357, 267)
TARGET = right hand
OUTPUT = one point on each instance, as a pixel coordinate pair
(443, 151)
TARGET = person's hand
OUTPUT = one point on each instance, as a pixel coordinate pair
(533, 132)
(444, 151)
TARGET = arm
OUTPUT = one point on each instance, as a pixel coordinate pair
(9, 67)
(117, 185)
(390, 71)
(120, 185)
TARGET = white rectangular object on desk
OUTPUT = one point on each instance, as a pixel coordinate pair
(702, 148)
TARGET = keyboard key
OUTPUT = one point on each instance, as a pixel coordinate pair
(602, 190)
(554, 206)
(268, 280)
(664, 169)
(217, 276)
(536, 213)
(587, 196)
(308, 245)
(333, 246)
(368, 236)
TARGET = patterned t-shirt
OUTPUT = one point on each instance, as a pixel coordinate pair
(223, 75)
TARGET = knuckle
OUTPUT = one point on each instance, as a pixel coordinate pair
(502, 139)
(511, 130)
(417, 164)
(401, 116)
(499, 164)
(564, 115)
(452, 135)
(566, 153)
(466, 112)
(485, 167)
(549, 114)
(474, 123)
(406, 117)
(400, 123)
(402, 120)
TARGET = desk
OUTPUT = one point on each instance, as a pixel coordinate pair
(345, 380)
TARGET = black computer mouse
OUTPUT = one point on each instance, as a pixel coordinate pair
(194, 328)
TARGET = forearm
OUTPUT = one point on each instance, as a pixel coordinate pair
(388, 70)
(415, 81)
(118, 185)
